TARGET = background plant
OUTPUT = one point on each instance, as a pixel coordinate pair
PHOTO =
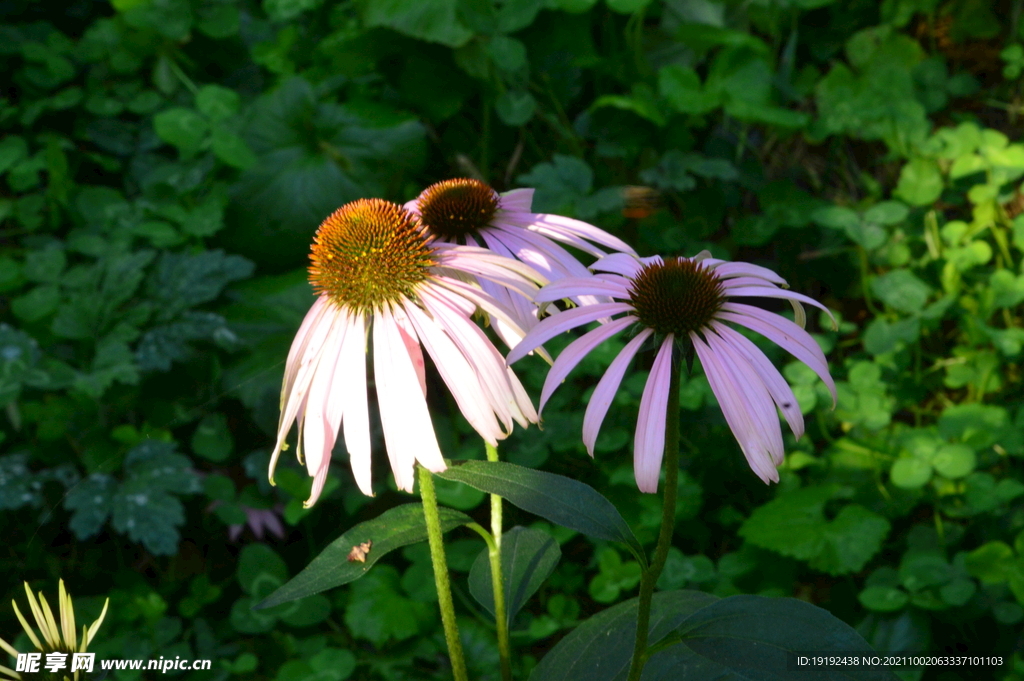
(165, 162)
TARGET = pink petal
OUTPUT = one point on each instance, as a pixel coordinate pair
(317, 442)
(606, 388)
(576, 351)
(517, 200)
(563, 321)
(619, 263)
(737, 269)
(577, 286)
(563, 225)
(735, 410)
(777, 387)
(649, 440)
(408, 431)
(412, 345)
(527, 245)
(356, 421)
(783, 333)
(299, 345)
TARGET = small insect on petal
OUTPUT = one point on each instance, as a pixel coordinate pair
(359, 552)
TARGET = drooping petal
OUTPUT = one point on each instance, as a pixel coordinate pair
(772, 292)
(320, 429)
(563, 321)
(606, 388)
(525, 244)
(356, 421)
(412, 345)
(458, 375)
(728, 270)
(783, 333)
(777, 386)
(737, 415)
(408, 431)
(559, 225)
(649, 440)
(576, 351)
(754, 394)
(298, 346)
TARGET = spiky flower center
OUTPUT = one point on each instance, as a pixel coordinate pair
(457, 208)
(368, 253)
(677, 296)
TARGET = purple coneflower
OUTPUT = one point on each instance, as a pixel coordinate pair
(466, 211)
(685, 300)
(373, 264)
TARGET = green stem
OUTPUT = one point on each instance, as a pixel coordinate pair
(668, 523)
(444, 590)
(497, 579)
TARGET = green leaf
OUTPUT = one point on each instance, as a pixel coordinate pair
(627, 6)
(231, 148)
(883, 598)
(391, 530)
(528, 557)
(258, 563)
(212, 439)
(515, 108)
(794, 525)
(508, 54)
(746, 636)
(181, 280)
(285, 10)
(378, 612)
(599, 649)
(681, 87)
(901, 290)
(216, 102)
(910, 473)
(556, 498)
(992, 563)
(182, 128)
(954, 461)
(219, 20)
(559, 184)
(1007, 290)
(887, 213)
(13, 149)
(883, 336)
(514, 15)
(920, 182)
(434, 22)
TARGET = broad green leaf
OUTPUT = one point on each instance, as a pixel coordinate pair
(559, 184)
(285, 10)
(182, 128)
(212, 439)
(681, 87)
(920, 182)
(556, 498)
(753, 637)
(508, 54)
(882, 336)
(391, 530)
(627, 6)
(910, 473)
(515, 108)
(231, 148)
(599, 649)
(12, 150)
(217, 102)
(434, 22)
(992, 563)
(514, 15)
(794, 524)
(887, 213)
(883, 598)
(954, 461)
(641, 102)
(901, 290)
(1007, 290)
(379, 612)
(528, 557)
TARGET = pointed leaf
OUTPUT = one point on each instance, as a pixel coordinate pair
(391, 530)
(600, 648)
(561, 500)
(528, 557)
(755, 637)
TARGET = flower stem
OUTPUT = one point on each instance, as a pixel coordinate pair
(668, 523)
(497, 580)
(444, 590)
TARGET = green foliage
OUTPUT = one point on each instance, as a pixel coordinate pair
(164, 164)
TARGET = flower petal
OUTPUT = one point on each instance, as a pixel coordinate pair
(563, 321)
(777, 387)
(783, 333)
(576, 286)
(408, 431)
(576, 351)
(619, 263)
(558, 225)
(516, 200)
(772, 292)
(649, 440)
(606, 388)
(356, 421)
(745, 269)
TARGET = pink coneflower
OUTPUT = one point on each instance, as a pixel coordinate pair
(466, 211)
(686, 301)
(373, 265)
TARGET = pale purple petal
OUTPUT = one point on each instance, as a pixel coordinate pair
(577, 286)
(649, 440)
(458, 375)
(317, 441)
(741, 282)
(299, 344)
(527, 245)
(736, 269)
(619, 263)
(783, 333)
(735, 410)
(576, 351)
(606, 388)
(355, 408)
(563, 225)
(563, 321)
(777, 387)
(408, 431)
(516, 200)
(754, 394)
